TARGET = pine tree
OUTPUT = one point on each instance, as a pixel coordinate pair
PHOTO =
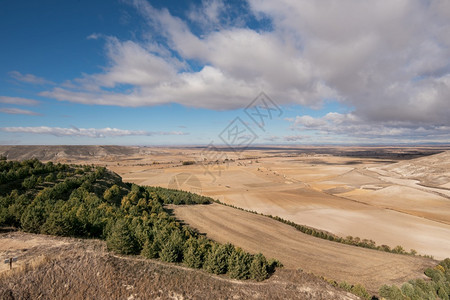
(172, 249)
(151, 249)
(192, 255)
(239, 264)
(217, 259)
(33, 218)
(258, 268)
(121, 239)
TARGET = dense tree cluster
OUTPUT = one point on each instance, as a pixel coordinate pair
(83, 201)
(436, 288)
(13, 171)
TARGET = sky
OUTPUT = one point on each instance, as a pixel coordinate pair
(236, 73)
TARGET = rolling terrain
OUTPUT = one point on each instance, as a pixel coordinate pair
(392, 195)
(256, 233)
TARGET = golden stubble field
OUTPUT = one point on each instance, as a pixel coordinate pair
(393, 202)
(296, 250)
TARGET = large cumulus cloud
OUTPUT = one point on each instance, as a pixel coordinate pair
(388, 60)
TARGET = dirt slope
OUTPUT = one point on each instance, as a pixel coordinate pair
(62, 268)
(433, 170)
(256, 233)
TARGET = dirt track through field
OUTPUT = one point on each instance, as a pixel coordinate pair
(256, 233)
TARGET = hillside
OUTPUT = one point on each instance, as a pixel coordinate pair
(297, 250)
(433, 170)
(66, 268)
(83, 201)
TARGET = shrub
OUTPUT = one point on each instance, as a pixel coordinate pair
(360, 291)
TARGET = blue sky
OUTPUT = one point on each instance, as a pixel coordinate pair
(139, 72)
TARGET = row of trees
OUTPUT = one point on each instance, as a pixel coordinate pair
(349, 240)
(95, 203)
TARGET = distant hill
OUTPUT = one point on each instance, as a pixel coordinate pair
(433, 170)
(47, 153)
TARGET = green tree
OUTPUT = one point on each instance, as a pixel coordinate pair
(121, 239)
(217, 259)
(391, 292)
(173, 249)
(192, 255)
(150, 249)
(50, 177)
(33, 218)
(29, 182)
(258, 268)
(239, 264)
(112, 195)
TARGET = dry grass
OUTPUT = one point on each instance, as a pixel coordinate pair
(83, 269)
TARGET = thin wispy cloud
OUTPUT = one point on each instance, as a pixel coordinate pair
(18, 111)
(88, 132)
(30, 78)
(18, 101)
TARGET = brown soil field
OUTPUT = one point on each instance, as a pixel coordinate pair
(340, 262)
(66, 268)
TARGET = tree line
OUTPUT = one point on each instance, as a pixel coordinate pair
(349, 240)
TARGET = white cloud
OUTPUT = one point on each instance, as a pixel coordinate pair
(87, 132)
(17, 101)
(208, 13)
(94, 36)
(295, 138)
(30, 78)
(389, 60)
(351, 126)
(18, 111)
